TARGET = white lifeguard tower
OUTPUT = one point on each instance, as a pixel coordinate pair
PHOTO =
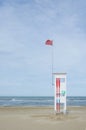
(60, 92)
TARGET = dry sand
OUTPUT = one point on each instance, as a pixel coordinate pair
(42, 118)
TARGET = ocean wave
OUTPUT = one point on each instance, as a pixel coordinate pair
(39, 101)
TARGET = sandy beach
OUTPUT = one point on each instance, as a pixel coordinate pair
(42, 118)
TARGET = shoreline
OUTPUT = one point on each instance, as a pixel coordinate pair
(39, 106)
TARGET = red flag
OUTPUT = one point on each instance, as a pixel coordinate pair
(49, 42)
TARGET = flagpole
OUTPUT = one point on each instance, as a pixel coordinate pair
(50, 42)
(52, 63)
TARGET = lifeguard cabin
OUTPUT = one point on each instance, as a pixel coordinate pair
(60, 92)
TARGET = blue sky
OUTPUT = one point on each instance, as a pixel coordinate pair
(25, 60)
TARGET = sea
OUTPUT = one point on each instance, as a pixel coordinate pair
(39, 101)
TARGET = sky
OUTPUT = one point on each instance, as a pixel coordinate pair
(25, 60)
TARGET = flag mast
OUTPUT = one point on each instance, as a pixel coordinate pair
(52, 62)
(50, 42)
